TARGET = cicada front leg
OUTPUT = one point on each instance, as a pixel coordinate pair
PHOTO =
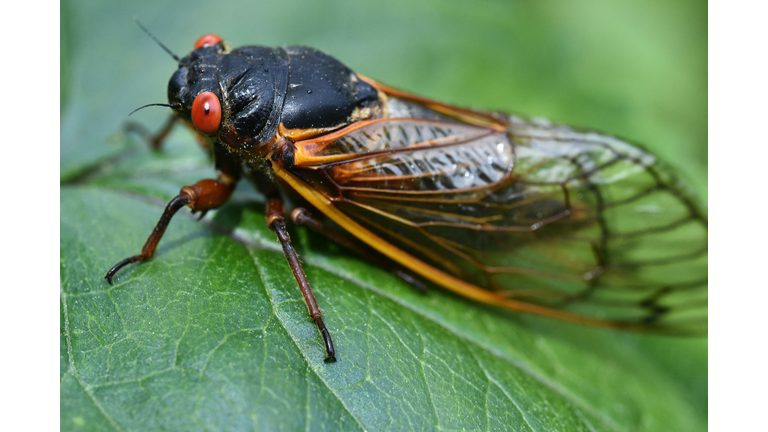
(276, 222)
(202, 196)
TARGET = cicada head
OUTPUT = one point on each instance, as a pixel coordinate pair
(229, 96)
(193, 90)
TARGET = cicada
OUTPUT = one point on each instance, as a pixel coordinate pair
(525, 215)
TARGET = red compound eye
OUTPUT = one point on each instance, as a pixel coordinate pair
(206, 113)
(205, 40)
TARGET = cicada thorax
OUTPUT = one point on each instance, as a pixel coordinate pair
(270, 93)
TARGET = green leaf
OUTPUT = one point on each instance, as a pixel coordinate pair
(213, 334)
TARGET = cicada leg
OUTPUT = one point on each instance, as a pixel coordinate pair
(202, 196)
(154, 140)
(276, 222)
(301, 216)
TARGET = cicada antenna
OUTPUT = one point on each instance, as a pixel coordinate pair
(165, 48)
(172, 106)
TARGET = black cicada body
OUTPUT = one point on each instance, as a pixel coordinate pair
(529, 216)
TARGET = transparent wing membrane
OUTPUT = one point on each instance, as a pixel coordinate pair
(542, 213)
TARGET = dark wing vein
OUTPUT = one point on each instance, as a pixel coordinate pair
(545, 214)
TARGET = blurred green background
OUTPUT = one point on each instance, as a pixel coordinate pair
(633, 69)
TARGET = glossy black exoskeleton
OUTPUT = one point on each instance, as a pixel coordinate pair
(261, 88)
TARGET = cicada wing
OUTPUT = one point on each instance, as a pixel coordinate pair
(542, 214)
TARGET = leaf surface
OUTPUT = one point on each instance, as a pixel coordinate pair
(213, 334)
